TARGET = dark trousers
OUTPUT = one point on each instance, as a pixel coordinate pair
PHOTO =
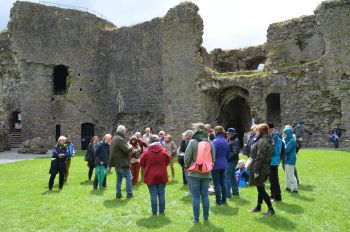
(184, 180)
(274, 183)
(262, 195)
(103, 184)
(91, 169)
(219, 185)
(183, 168)
(61, 179)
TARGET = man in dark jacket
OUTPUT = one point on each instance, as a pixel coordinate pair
(335, 135)
(101, 156)
(230, 172)
(119, 159)
(58, 162)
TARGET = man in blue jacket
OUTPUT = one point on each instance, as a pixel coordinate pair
(290, 161)
(276, 158)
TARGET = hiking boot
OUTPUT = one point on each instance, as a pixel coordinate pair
(270, 212)
(130, 195)
(288, 190)
(195, 221)
(256, 209)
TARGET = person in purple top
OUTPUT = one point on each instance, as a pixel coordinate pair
(222, 152)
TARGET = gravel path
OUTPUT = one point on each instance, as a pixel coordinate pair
(12, 156)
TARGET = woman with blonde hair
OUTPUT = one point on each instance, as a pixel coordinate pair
(171, 148)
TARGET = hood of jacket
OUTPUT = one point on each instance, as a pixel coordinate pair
(200, 135)
(155, 147)
(288, 132)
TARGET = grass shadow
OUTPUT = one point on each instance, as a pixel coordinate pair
(153, 222)
(47, 192)
(96, 192)
(186, 199)
(307, 188)
(278, 222)
(289, 208)
(114, 203)
(302, 197)
(205, 226)
(224, 210)
(87, 182)
(172, 182)
(241, 201)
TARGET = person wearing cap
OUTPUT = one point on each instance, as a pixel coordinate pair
(58, 162)
(221, 163)
(230, 172)
(275, 161)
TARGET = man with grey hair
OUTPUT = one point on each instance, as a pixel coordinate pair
(119, 158)
(147, 135)
(186, 137)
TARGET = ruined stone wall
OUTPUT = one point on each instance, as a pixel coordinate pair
(235, 60)
(182, 31)
(308, 65)
(334, 24)
(43, 37)
(137, 76)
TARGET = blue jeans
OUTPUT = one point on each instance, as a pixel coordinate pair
(120, 174)
(157, 190)
(230, 178)
(199, 189)
(219, 185)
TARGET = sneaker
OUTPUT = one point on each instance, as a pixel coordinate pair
(130, 195)
(272, 200)
(188, 193)
(195, 221)
(295, 191)
(270, 213)
(288, 190)
(255, 210)
(118, 196)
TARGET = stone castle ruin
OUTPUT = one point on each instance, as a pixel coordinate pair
(67, 71)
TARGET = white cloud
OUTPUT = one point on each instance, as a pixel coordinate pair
(227, 23)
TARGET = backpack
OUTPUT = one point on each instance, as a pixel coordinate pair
(204, 162)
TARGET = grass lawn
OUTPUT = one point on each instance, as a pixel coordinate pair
(25, 204)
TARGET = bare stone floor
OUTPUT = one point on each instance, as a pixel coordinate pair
(12, 156)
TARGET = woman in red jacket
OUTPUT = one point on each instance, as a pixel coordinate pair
(154, 161)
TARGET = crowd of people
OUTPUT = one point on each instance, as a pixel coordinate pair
(207, 156)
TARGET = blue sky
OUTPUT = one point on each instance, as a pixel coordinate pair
(227, 23)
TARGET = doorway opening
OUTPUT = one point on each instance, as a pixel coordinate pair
(87, 132)
(60, 74)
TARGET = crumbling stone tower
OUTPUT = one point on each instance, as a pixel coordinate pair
(64, 70)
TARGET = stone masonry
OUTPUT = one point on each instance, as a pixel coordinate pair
(157, 74)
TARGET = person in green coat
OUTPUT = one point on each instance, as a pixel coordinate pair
(261, 153)
(199, 182)
(120, 159)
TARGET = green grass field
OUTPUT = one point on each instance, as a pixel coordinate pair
(25, 204)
